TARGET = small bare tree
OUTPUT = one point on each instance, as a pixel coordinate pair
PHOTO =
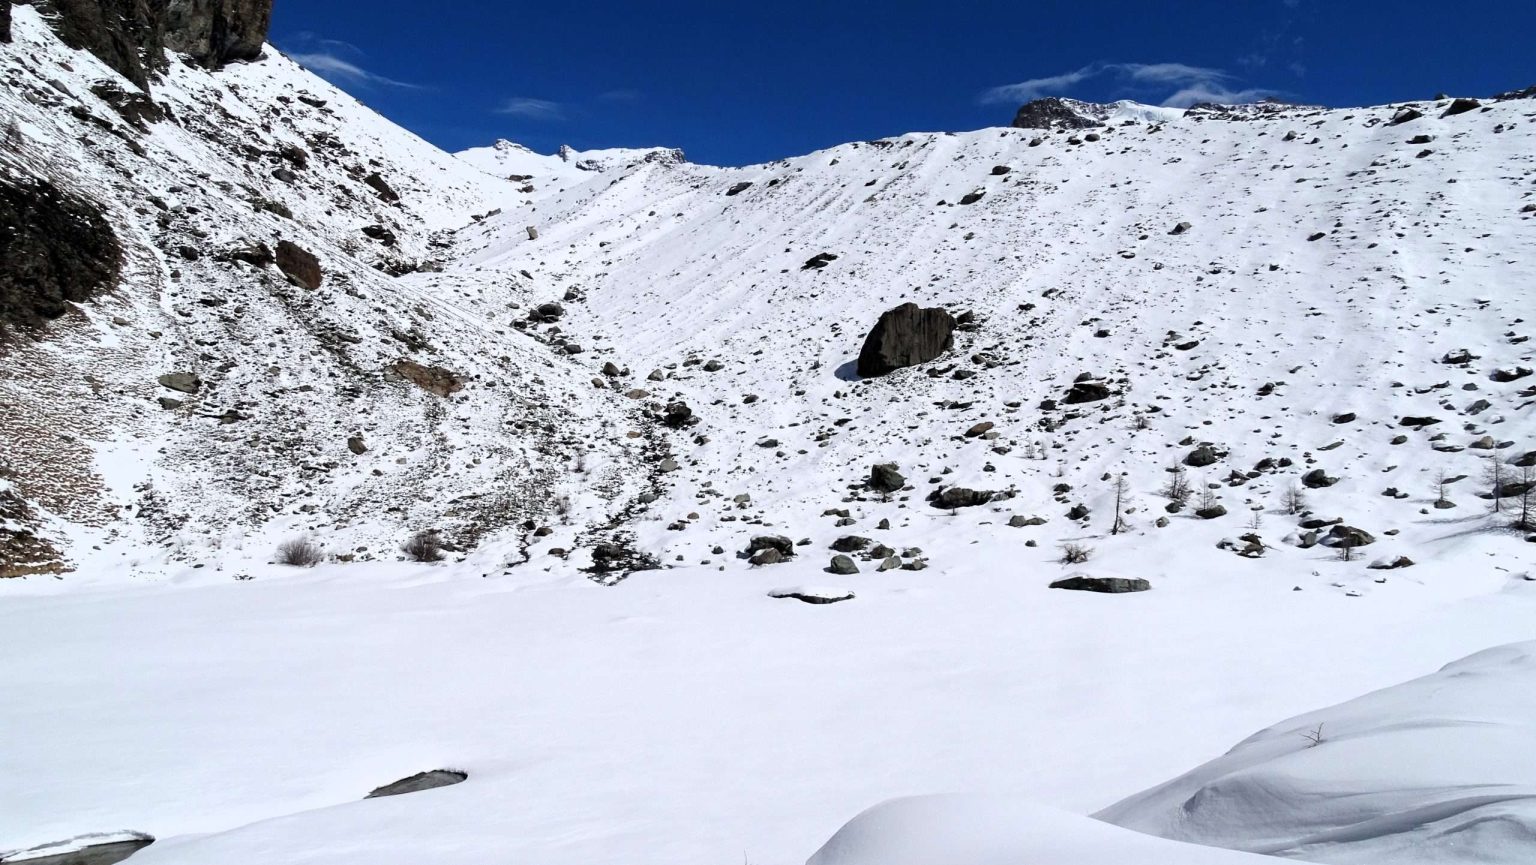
(1442, 488)
(1527, 519)
(1494, 475)
(1295, 501)
(1208, 497)
(1315, 736)
(1177, 487)
(1122, 498)
(1256, 521)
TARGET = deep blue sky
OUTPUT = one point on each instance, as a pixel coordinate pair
(735, 82)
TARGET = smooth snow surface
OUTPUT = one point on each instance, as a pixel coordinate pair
(1438, 770)
(977, 830)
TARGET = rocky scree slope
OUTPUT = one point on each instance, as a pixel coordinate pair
(243, 363)
(1296, 334)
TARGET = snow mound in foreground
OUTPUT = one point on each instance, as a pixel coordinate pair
(982, 830)
(1437, 770)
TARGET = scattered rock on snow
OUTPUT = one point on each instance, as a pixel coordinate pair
(884, 478)
(842, 565)
(813, 595)
(1103, 585)
(419, 782)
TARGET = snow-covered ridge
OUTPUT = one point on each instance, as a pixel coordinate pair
(512, 161)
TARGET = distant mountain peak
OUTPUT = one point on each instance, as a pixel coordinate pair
(1059, 112)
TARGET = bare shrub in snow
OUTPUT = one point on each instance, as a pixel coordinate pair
(424, 546)
(1075, 554)
(300, 553)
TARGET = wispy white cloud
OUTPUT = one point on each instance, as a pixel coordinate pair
(342, 71)
(532, 109)
(1189, 84)
(337, 61)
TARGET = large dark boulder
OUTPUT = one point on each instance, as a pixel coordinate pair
(1087, 391)
(951, 498)
(299, 265)
(5, 20)
(216, 32)
(56, 248)
(906, 336)
(1103, 585)
(885, 478)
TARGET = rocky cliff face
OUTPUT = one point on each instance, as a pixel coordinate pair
(132, 36)
(216, 32)
(127, 35)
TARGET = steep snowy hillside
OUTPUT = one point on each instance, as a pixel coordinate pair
(1311, 315)
(259, 373)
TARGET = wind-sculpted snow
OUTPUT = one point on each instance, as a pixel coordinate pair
(1437, 770)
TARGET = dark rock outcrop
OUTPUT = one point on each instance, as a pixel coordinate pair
(217, 32)
(84, 853)
(5, 20)
(419, 782)
(432, 379)
(906, 336)
(1050, 113)
(885, 478)
(770, 550)
(960, 497)
(131, 36)
(1103, 585)
(1317, 479)
(127, 35)
(1461, 106)
(299, 265)
(55, 248)
(1087, 391)
(379, 185)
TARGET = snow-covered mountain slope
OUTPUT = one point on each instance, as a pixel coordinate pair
(1271, 298)
(1436, 770)
(244, 160)
(1306, 309)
